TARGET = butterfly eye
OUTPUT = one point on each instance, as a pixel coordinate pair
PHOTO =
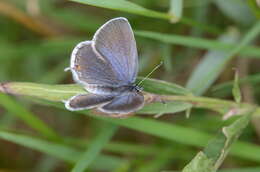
(138, 88)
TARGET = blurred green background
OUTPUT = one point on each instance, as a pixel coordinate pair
(37, 37)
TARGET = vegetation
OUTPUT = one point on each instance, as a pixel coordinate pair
(203, 116)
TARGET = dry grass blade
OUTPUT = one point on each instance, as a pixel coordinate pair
(27, 21)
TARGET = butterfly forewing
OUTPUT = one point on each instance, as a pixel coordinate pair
(90, 69)
(115, 42)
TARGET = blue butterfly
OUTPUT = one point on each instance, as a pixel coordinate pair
(107, 67)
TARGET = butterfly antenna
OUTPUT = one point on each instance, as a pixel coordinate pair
(159, 65)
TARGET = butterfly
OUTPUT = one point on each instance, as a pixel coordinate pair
(107, 68)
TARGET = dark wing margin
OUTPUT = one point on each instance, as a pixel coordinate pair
(88, 68)
(115, 42)
(124, 104)
(86, 101)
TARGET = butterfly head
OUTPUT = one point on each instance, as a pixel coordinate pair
(137, 88)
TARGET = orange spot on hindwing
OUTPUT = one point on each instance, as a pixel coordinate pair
(77, 67)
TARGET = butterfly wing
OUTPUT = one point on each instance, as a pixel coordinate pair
(87, 101)
(124, 104)
(91, 70)
(115, 42)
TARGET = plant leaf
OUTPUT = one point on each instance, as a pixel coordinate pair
(216, 151)
(42, 91)
(64, 92)
(201, 163)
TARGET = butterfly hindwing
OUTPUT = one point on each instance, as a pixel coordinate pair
(87, 101)
(125, 103)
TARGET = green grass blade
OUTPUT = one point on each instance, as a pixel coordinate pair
(183, 135)
(247, 51)
(28, 117)
(120, 147)
(163, 130)
(254, 6)
(200, 81)
(176, 7)
(203, 81)
(7, 120)
(47, 164)
(63, 92)
(176, 133)
(63, 152)
(165, 107)
(54, 149)
(167, 57)
(162, 87)
(67, 15)
(130, 7)
(248, 37)
(237, 10)
(43, 91)
(162, 158)
(125, 6)
(95, 148)
(252, 169)
(55, 75)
